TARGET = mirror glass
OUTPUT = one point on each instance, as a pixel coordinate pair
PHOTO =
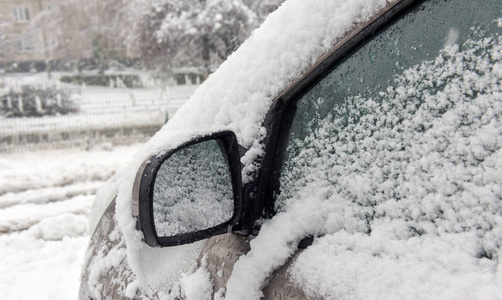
(193, 190)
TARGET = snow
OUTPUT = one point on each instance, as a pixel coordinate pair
(198, 286)
(22, 217)
(50, 171)
(208, 202)
(372, 267)
(33, 268)
(45, 201)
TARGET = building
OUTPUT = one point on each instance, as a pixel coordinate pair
(28, 45)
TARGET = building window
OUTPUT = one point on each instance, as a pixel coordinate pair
(21, 14)
(26, 43)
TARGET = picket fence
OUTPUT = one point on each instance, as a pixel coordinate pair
(105, 116)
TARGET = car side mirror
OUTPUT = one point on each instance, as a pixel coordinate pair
(191, 192)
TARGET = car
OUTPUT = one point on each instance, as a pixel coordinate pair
(347, 150)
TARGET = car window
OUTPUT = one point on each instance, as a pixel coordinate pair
(402, 128)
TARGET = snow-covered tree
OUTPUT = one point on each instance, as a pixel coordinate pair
(263, 7)
(183, 32)
(201, 33)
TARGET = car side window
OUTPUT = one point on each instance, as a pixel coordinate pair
(404, 118)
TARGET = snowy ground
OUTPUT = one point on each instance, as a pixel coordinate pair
(45, 199)
(46, 196)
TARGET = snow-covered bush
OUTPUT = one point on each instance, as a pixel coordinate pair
(115, 80)
(32, 101)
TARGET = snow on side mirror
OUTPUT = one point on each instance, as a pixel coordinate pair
(192, 192)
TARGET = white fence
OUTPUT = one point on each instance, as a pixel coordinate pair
(104, 115)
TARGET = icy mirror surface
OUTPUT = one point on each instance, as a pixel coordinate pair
(403, 141)
(193, 190)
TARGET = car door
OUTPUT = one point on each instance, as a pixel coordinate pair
(395, 140)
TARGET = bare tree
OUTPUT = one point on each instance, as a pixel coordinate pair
(80, 30)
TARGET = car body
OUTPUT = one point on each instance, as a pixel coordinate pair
(369, 139)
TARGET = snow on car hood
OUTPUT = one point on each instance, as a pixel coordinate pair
(236, 97)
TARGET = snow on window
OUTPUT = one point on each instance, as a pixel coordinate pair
(394, 164)
(193, 190)
(411, 177)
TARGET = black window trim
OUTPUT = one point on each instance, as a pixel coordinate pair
(278, 120)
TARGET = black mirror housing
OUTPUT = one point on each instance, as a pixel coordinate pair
(149, 212)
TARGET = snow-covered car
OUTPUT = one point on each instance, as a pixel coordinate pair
(347, 150)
